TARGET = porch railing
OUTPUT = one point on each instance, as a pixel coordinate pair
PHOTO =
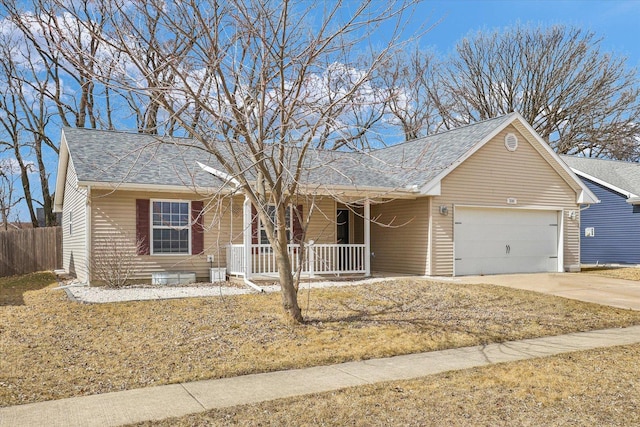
(318, 259)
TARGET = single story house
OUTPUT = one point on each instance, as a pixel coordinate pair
(490, 197)
(611, 229)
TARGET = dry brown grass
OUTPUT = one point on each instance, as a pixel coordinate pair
(596, 387)
(54, 348)
(628, 273)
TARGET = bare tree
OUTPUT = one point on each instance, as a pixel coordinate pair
(15, 121)
(415, 99)
(49, 37)
(578, 98)
(8, 199)
(38, 91)
(259, 85)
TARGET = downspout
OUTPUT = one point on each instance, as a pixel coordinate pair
(87, 235)
(429, 238)
(561, 239)
(250, 284)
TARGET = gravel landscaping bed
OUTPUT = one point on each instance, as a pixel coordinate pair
(86, 294)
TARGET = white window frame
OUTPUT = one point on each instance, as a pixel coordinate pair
(288, 229)
(155, 227)
(70, 223)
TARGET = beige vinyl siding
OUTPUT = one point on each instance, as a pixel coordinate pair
(572, 242)
(322, 224)
(356, 223)
(74, 226)
(522, 130)
(488, 178)
(321, 227)
(399, 236)
(114, 217)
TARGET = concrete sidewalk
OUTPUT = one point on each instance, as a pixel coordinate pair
(155, 403)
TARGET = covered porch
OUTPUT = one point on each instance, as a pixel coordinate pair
(249, 259)
(313, 259)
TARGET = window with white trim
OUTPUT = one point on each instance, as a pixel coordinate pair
(271, 211)
(170, 227)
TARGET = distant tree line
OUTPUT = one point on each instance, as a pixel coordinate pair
(86, 64)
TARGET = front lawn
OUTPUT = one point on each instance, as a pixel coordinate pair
(628, 273)
(54, 348)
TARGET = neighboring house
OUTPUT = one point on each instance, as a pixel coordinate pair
(610, 230)
(490, 197)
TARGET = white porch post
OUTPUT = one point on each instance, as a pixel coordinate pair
(367, 237)
(246, 236)
(311, 259)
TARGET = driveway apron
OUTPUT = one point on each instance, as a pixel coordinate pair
(580, 286)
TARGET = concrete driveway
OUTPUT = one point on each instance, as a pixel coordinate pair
(581, 286)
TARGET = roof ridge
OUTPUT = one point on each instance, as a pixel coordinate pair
(124, 132)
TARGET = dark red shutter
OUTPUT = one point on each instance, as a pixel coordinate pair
(197, 227)
(254, 225)
(298, 231)
(142, 226)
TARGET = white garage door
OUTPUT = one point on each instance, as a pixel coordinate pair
(494, 241)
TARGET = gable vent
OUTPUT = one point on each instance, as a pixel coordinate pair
(511, 142)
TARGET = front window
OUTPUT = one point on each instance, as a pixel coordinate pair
(170, 227)
(271, 210)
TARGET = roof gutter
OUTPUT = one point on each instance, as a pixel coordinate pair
(635, 201)
(231, 188)
(361, 191)
(112, 186)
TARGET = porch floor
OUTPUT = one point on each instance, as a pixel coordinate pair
(268, 279)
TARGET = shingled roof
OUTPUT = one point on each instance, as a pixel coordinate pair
(120, 158)
(624, 176)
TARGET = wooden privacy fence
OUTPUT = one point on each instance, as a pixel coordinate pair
(29, 250)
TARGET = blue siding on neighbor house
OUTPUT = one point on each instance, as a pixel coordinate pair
(617, 229)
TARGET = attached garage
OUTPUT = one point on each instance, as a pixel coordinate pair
(506, 240)
(498, 201)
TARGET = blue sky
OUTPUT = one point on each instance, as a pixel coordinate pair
(616, 22)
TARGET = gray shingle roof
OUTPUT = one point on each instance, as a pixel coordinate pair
(133, 158)
(624, 175)
(419, 161)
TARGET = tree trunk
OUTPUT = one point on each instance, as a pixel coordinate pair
(287, 283)
(24, 177)
(47, 205)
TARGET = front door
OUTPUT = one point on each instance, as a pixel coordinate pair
(342, 226)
